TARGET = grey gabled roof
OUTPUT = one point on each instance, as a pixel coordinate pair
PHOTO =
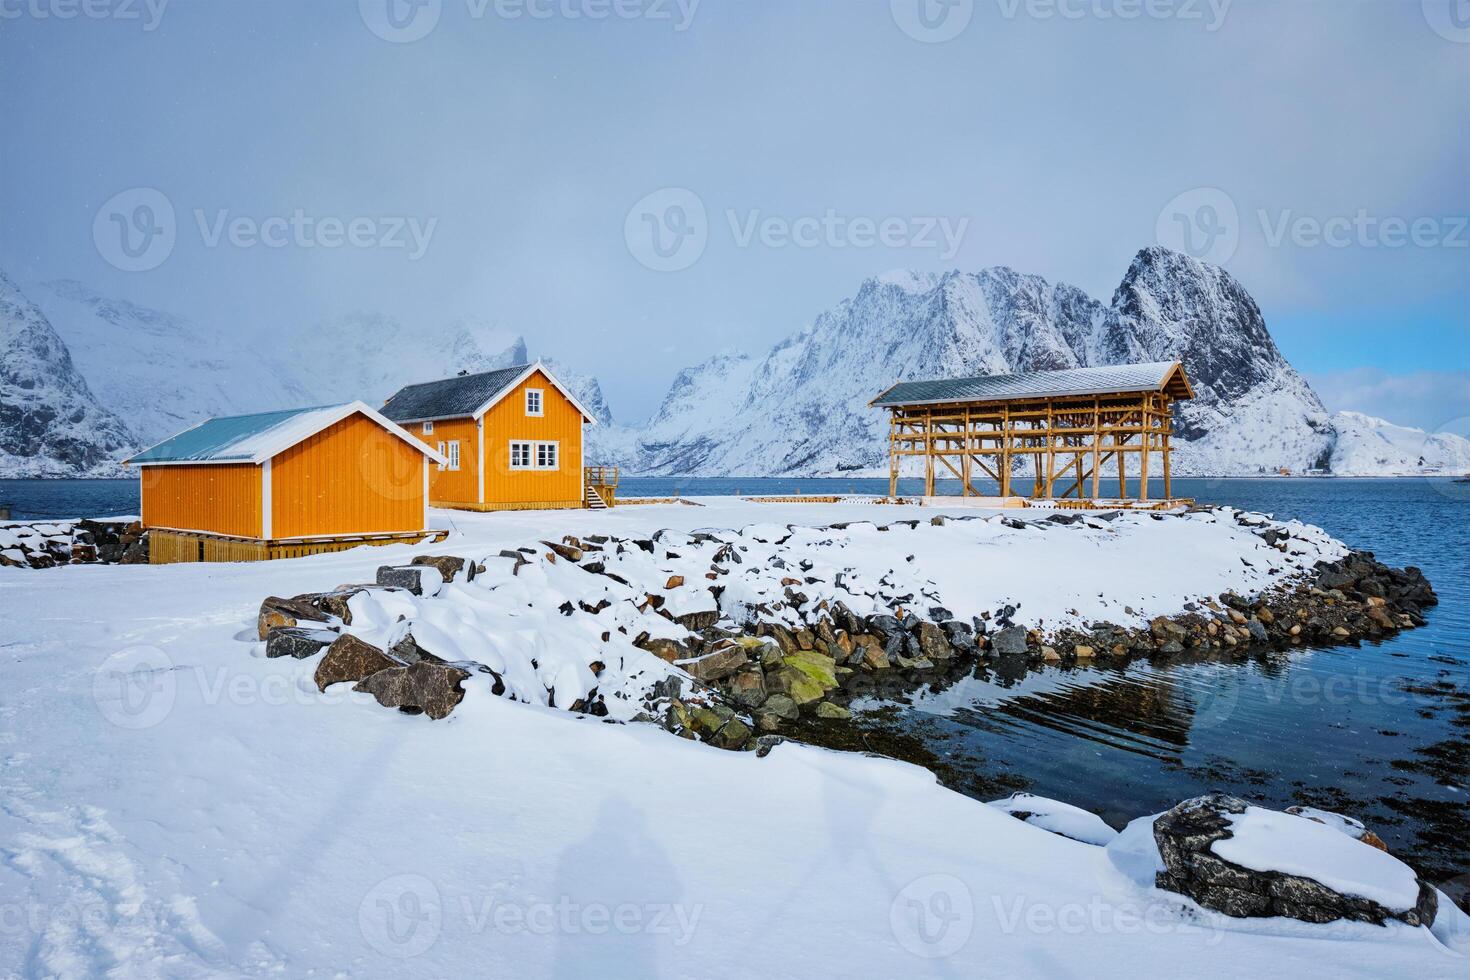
(1035, 384)
(467, 395)
(451, 398)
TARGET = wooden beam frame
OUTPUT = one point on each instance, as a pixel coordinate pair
(1068, 439)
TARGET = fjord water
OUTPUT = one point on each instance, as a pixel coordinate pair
(1379, 731)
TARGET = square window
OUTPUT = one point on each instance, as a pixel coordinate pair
(428, 428)
(546, 455)
(520, 455)
(534, 401)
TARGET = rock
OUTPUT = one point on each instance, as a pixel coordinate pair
(449, 566)
(932, 642)
(961, 635)
(433, 689)
(832, 711)
(1186, 835)
(818, 666)
(335, 603)
(276, 612)
(1258, 631)
(696, 621)
(733, 734)
(1050, 654)
(1083, 652)
(663, 648)
(674, 582)
(717, 665)
(299, 642)
(749, 688)
(1009, 641)
(800, 687)
(418, 579)
(874, 658)
(351, 659)
(782, 706)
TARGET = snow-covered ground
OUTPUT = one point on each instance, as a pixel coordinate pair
(225, 818)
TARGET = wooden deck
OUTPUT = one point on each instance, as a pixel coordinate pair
(168, 547)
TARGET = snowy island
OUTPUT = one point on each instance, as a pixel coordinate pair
(203, 778)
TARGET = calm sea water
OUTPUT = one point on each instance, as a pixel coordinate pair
(1380, 731)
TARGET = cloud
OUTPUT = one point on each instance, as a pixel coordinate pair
(1431, 400)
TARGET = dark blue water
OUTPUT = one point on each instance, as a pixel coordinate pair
(1380, 731)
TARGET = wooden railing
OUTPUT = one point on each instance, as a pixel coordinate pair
(600, 476)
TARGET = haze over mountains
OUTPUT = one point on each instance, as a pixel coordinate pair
(88, 378)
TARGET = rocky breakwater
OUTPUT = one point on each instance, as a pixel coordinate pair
(801, 657)
(47, 544)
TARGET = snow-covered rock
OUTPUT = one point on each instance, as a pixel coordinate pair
(51, 424)
(1058, 818)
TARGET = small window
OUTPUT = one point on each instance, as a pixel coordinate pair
(441, 453)
(454, 454)
(428, 428)
(534, 401)
(546, 456)
(520, 455)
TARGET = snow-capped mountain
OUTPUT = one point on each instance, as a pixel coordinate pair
(1366, 446)
(50, 422)
(802, 408)
(89, 378)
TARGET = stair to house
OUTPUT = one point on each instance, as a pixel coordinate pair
(594, 499)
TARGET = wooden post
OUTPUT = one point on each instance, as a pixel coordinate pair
(1148, 438)
(892, 451)
(965, 459)
(1096, 444)
(1051, 448)
(928, 452)
(1168, 430)
(1005, 451)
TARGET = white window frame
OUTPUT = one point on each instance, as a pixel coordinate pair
(441, 453)
(540, 409)
(453, 455)
(533, 449)
(428, 428)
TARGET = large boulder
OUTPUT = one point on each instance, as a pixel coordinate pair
(299, 642)
(1244, 861)
(449, 565)
(276, 612)
(717, 665)
(417, 579)
(351, 659)
(433, 689)
(1009, 641)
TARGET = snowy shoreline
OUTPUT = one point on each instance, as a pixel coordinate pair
(236, 819)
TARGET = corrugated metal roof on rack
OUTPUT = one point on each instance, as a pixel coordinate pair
(1030, 384)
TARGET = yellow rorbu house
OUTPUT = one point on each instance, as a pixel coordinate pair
(284, 484)
(510, 439)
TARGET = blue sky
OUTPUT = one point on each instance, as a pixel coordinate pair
(1320, 151)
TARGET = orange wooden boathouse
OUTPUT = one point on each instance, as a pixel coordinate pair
(511, 440)
(284, 484)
